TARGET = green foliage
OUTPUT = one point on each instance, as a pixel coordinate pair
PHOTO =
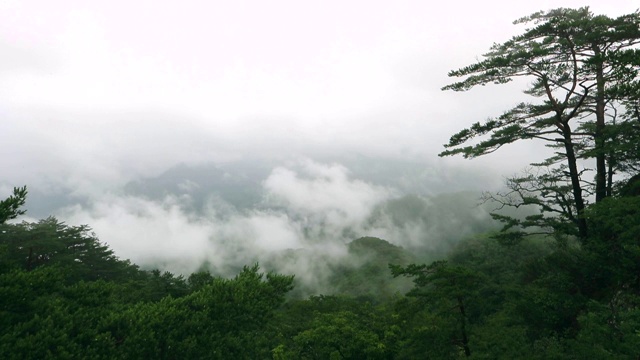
(56, 320)
(22, 293)
(65, 295)
(366, 274)
(226, 318)
(613, 251)
(446, 288)
(332, 327)
(632, 186)
(536, 298)
(10, 207)
(51, 242)
(154, 285)
(340, 335)
(198, 280)
(501, 336)
(44, 318)
(544, 189)
(586, 85)
(448, 217)
(608, 332)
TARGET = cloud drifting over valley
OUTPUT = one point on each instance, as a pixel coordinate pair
(312, 208)
(309, 206)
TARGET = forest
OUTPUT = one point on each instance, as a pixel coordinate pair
(561, 281)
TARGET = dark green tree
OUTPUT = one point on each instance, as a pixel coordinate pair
(583, 68)
(336, 327)
(339, 335)
(448, 289)
(41, 317)
(226, 318)
(52, 242)
(10, 207)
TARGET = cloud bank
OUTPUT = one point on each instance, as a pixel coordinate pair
(309, 210)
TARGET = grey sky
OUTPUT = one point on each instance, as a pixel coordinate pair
(359, 75)
(95, 94)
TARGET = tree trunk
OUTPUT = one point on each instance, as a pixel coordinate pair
(463, 328)
(601, 167)
(610, 175)
(575, 181)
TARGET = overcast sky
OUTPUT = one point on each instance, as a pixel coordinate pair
(114, 89)
(94, 94)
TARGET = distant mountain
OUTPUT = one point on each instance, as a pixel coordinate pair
(366, 272)
(238, 185)
(363, 272)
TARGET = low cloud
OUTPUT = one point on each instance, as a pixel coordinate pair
(308, 214)
(324, 193)
(149, 232)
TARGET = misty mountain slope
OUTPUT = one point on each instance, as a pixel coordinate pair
(229, 179)
(430, 226)
(361, 271)
(366, 270)
(238, 185)
(294, 217)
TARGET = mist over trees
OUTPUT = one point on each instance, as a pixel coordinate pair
(315, 264)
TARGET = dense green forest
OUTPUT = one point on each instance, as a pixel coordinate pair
(560, 283)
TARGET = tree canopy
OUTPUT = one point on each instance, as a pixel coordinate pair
(584, 79)
(10, 207)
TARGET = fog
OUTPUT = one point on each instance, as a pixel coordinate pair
(204, 134)
(313, 208)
